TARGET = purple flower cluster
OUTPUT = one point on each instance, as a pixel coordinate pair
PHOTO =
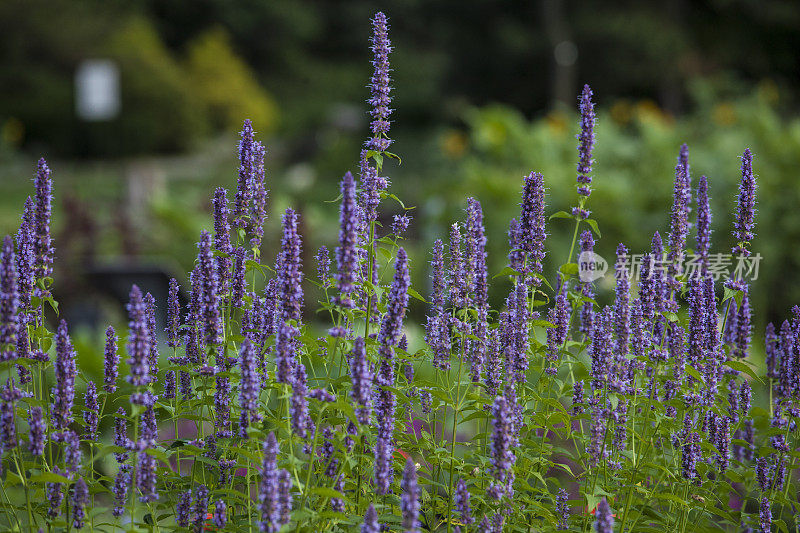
(379, 86)
(347, 251)
(745, 207)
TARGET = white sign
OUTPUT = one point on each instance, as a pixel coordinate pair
(97, 90)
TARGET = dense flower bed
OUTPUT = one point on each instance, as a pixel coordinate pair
(549, 413)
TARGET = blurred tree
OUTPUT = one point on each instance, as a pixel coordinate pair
(226, 86)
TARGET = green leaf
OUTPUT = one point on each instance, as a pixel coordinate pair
(569, 269)
(415, 294)
(593, 224)
(561, 214)
(48, 477)
(732, 293)
(742, 367)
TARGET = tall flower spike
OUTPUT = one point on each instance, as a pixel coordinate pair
(379, 85)
(152, 356)
(745, 207)
(586, 142)
(502, 444)
(532, 223)
(244, 186)
(238, 281)
(622, 327)
(110, 361)
(461, 499)
(91, 414)
(437, 333)
(44, 199)
(37, 432)
(138, 340)
(222, 237)
(587, 288)
(249, 387)
(743, 327)
(9, 301)
(370, 524)
(260, 195)
(26, 254)
(173, 314)
(409, 501)
(268, 504)
(679, 220)
(361, 378)
(65, 371)
(290, 273)
(703, 223)
(605, 520)
(80, 499)
(347, 251)
(209, 315)
(392, 324)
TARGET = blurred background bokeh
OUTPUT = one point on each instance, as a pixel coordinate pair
(485, 92)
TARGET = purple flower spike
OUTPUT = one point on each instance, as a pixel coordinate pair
(502, 444)
(55, 497)
(743, 327)
(745, 207)
(379, 86)
(409, 501)
(244, 186)
(65, 371)
(37, 432)
(80, 499)
(222, 238)
(111, 361)
(9, 300)
(26, 254)
(152, 355)
(237, 281)
(461, 500)
(437, 330)
(392, 324)
(220, 514)
(562, 509)
(138, 340)
(249, 387)
(347, 251)
(258, 213)
(532, 223)
(400, 224)
(268, 502)
(703, 223)
(370, 524)
(679, 219)
(622, 327)
(209, 284)
(290, 273)
(361, 378)
(200, 507)
(586, 141)
(323, 258)
(765, 514)
(587, 289)
(605, 520)
(44, 198)
(91, 414)
(298, 408)
(173, 315)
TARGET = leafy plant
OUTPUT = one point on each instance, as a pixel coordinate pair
(547, 413)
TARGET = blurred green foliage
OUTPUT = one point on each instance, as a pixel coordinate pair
(226, 85)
